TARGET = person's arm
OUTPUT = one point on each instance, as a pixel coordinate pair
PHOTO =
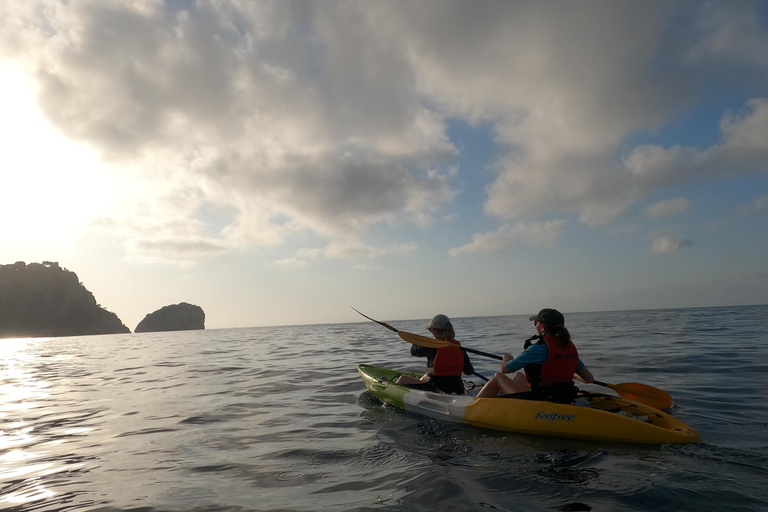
(583, 374)
(532, 355)
(419, 351)
(468, 368)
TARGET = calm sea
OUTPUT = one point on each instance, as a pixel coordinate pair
(278, 419)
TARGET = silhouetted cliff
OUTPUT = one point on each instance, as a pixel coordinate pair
(178, 317)
(46, 300)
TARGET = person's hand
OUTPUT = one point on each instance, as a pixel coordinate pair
(504, 360)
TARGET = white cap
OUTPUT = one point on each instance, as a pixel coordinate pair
(439, 322)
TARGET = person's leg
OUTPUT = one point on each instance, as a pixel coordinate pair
(500, 382)
(519, 384)
(493, 386)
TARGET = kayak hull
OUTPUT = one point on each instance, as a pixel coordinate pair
(598, 417)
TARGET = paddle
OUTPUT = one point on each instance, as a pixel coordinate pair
(636, 391)
(427, 342)
(642, 393)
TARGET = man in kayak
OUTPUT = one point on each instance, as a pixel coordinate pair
(550, 364)
(444, 365)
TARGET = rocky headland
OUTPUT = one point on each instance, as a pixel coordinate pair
(43, 299)
(177, 317)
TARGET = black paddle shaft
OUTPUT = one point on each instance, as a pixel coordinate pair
(494, 356)
(478, 352)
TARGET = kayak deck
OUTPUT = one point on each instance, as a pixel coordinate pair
(593, 416)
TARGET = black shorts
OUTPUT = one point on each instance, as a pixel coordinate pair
(441, 384)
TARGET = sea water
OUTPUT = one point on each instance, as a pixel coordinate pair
(278, 419)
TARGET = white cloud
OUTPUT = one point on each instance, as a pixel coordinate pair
(291, 262)
(331, 117)
(564, 94)
(348, 249)
(667, 244)
(296, 109)
(535, 234)
(668, 208)
(743, 150)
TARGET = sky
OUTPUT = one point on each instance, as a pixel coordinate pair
(276, 162)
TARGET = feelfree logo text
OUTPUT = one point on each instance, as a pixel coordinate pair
(554, 416)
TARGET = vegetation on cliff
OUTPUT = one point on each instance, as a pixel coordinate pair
(47, 300)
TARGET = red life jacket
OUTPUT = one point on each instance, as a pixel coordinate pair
(559, 367)
(449, 361)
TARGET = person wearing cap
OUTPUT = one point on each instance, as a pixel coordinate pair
(549, 365)
(444, 365)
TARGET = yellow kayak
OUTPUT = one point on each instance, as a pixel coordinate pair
(592, 416)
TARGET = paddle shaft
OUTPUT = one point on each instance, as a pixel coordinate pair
(478, 352)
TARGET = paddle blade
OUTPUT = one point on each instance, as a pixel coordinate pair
(423, 341)
(644, 394)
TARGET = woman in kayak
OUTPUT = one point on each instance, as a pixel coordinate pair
(444, 365)
(550, 364)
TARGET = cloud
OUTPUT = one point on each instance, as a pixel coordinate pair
(291, 262)
(756, 206)
(535, 234)
(303, 111)
(346, 249)
(668, 208)
(742, 150)
(330, 118)
(752, 208)
(563, 95)
(666, 244)
(735, 36)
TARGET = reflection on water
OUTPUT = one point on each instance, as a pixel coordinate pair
(278, 419)
(20, 393)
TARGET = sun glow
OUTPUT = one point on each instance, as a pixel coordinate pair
(50, 185)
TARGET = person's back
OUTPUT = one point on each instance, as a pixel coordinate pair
(444, 365)
(550, 365)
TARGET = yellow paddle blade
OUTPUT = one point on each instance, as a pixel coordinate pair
(644, 393)
(417, 339)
